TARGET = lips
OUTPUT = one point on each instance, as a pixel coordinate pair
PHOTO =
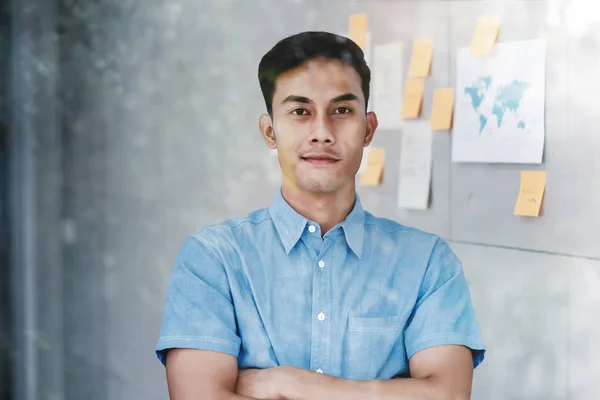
(320, 159)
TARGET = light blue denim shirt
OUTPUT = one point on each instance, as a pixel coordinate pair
(355, 303)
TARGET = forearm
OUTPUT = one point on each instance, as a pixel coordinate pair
(210, 394)
(314, 386)
(234, 396)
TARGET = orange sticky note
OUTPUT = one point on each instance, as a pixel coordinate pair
(412, 99)
(442, 109)
(374, 169)
(531, 193)
(420, 65)
(358, 30)
(485, 35)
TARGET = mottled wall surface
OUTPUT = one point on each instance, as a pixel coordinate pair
(35, 200)
(158, 112)
(5, 314)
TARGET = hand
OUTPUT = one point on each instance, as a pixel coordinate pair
(258, 383)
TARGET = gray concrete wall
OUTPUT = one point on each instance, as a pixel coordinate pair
(5, 311)
(35, 198)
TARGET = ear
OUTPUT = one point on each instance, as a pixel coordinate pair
(265, 125)
(371, 127)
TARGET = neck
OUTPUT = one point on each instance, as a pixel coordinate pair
(326, 209)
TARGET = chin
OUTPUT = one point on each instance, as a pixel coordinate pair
(320, 187)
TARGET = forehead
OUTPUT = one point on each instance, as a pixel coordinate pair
(319, 78)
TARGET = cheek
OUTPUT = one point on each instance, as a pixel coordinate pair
(287, 149)
(288, 137)
(287, 146)
(356, 153)
(351, 134)
(351, 128)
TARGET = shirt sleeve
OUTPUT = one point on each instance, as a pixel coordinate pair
(444, 313)
(199, 312)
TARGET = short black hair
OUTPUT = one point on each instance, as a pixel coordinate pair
(295, 50)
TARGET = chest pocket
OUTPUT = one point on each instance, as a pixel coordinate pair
(374, 348)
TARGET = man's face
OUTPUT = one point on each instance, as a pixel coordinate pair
(319, 125)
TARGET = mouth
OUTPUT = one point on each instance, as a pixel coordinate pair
(320, 159)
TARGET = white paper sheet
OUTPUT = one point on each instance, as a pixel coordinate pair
(415, 165)
(499, 108)
(388, 84)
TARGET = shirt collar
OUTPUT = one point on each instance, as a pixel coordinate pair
(354, 228)
(290, 224)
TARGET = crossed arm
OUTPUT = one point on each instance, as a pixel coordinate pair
(437, 373)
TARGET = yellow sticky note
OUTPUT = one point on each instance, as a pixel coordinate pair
(358, 30)
(420, 65)
(442, 109)
(531, 193)
(374, 169)
(485, 35)
(412, 99)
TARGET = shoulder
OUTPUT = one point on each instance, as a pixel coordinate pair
(387, 229)
(224, 236)
(410, 246)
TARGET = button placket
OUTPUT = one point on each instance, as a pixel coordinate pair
(321, 335)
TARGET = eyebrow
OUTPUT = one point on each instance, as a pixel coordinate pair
(296, 99)
(345, 97)
(301, 99)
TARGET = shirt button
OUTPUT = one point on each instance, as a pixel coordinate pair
(321, 317)
(321, 264)
(320, 371)
(312, 229)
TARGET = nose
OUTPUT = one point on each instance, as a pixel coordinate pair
(321, 131)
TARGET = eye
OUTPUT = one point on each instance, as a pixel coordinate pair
(300, 111)
(342, 110)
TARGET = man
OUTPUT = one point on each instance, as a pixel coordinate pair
(313, 297)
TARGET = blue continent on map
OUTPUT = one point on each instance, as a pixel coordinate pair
(477, 93)
(508, 99)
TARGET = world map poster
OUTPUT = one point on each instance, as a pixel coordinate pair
(499, 107)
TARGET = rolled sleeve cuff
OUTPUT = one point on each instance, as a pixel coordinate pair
(473, 343)
(198, 343)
